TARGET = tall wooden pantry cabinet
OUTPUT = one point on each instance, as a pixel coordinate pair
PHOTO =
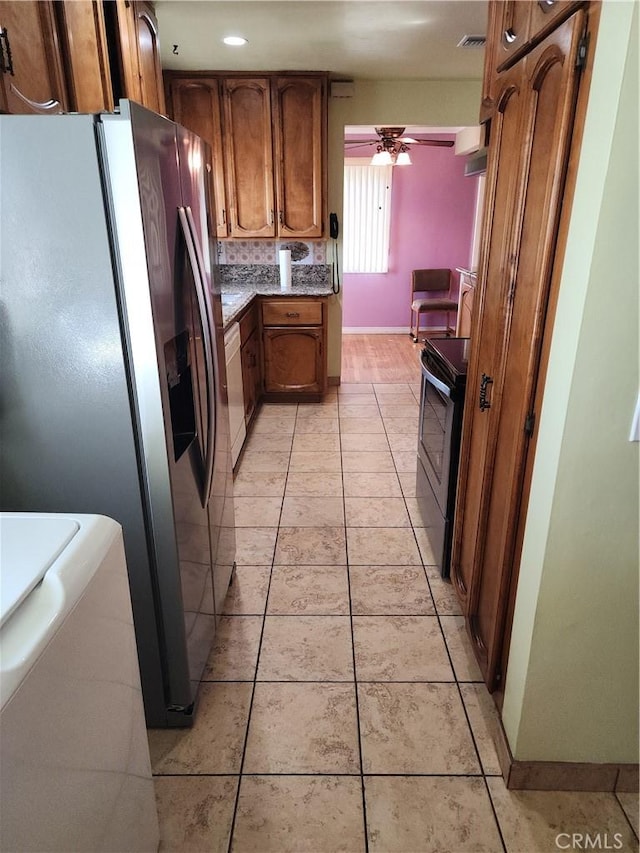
(534, 77)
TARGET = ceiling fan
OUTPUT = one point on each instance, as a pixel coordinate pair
(392, 148)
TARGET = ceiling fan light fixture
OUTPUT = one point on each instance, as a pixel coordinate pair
(381, 158)
(403, 159)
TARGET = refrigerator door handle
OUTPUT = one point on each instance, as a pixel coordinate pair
(197, 266)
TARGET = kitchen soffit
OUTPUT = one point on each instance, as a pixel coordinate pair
(357, 39)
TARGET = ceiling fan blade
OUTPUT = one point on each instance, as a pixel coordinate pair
(442, 143)
(362, 144)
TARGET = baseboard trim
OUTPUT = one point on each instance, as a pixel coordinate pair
(563, 775)
(389, 330)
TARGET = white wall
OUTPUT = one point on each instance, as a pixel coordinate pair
(439, 103)
(572, 679)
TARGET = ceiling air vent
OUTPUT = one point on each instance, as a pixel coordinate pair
(472, 41)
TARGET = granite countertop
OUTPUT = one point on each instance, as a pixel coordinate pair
(240, 284)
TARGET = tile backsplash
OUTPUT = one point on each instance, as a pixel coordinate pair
(303, 252)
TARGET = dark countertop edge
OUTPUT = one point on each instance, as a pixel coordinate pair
(233, 312)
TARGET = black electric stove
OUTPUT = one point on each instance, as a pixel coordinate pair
(448, 359)
(444, 377)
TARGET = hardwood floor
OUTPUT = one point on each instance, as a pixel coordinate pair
(380, 358)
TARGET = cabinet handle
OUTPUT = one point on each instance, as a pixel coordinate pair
(509, 36)
(6, 61)
(271, 220)
(484, 384)
(224, 216)
(546, 5)
(281, 217)
(293, 314)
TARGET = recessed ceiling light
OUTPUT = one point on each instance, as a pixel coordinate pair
(236, 41)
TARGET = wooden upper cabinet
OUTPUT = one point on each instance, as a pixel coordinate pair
(148, 47)
(515, 26)
(548, 14)
(124, 44)
(84, 38)
(248, 157)
(299, 138)
(33, 80)
(196, 104)
(269, 140)
(513, 30)
(78, 55)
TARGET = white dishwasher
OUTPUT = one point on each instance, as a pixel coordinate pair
(235, 392)
(75, 762)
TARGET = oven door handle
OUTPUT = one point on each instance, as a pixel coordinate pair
(438, 383)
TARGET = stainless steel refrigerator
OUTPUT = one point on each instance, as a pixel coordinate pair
(112, 384)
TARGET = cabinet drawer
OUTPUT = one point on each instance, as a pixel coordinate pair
(292, 312)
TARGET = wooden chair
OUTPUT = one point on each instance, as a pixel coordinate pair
(438, 283)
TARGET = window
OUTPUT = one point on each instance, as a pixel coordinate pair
(367, 215)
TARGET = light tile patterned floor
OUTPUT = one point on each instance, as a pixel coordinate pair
(343, 709)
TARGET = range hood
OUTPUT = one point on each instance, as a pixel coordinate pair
(476, 163)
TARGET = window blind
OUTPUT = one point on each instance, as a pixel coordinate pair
(367, 216)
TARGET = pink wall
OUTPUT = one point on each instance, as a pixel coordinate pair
(432, 208)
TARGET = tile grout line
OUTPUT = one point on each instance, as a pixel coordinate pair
(624, 811)
(255, 674)
(325, 773)
(353, 648)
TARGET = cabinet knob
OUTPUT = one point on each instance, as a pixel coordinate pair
(509, 36)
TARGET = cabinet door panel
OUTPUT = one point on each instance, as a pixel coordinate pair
(87, 57)
(551, 87)
(248, 155)
(196, 105)
(146, 27)
(251, 374)
(37, 84)
(127, 67)
(293, 360)
(485, 363)
(299, 140)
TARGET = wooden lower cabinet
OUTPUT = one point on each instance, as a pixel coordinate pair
(293, 362)
(251, 360)
(294, 348)
(531, 136)
(251, 375)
